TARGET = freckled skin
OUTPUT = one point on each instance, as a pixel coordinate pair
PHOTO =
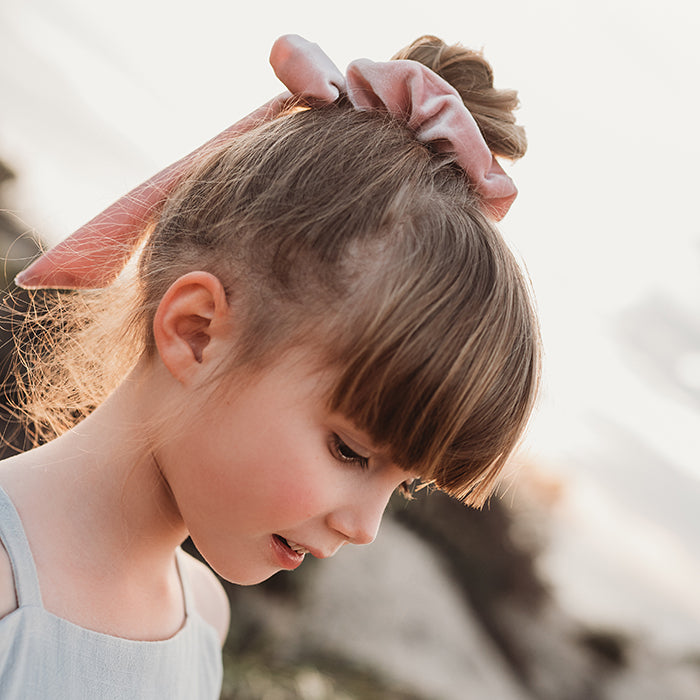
(259, 461)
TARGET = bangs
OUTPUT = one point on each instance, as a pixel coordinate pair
(443, 366)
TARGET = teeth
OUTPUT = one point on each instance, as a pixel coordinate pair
(297, 547)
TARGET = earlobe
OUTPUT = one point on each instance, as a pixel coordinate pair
(193, 312)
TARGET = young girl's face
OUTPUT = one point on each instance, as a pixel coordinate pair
(265, 469)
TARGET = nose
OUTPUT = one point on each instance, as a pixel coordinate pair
(358, 522)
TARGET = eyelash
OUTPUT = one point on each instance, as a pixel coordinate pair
(343, 453)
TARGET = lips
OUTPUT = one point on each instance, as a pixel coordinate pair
(296, 547)
(299, 551)
(293, 546)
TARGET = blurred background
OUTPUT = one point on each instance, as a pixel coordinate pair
(581, 579)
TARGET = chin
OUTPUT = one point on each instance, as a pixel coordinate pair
(249, 581)
(244, 578)
(255, 581)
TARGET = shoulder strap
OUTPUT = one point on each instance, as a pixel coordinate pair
(17, 546)
(187, 594)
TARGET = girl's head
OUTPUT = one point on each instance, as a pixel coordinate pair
(337, 233)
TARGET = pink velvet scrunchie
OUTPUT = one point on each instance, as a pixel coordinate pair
(96, 253)
(409, 91)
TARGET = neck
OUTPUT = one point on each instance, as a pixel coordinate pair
(100, 486)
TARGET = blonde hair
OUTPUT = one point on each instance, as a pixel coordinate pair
(335, 229)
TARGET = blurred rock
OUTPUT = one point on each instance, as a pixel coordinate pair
(655, 676)
(392, 607)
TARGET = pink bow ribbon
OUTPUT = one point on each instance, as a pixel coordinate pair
(409, 91)
(96, 253)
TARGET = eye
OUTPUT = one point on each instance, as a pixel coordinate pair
(344, 453)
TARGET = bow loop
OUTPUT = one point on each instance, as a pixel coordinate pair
(306, 70)
(435, 111)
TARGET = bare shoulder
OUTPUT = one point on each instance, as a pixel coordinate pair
(209, 595)
(8, 599)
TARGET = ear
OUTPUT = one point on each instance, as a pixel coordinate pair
(192, 317)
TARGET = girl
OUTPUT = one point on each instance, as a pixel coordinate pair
(322, 311)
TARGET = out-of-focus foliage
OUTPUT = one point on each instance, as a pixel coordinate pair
(251, 677)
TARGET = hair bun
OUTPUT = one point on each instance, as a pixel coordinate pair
(471, 75)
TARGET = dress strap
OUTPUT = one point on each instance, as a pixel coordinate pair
(187, 594)
(16, 544)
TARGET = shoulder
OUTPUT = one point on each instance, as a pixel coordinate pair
(8, 599)
(209, 595)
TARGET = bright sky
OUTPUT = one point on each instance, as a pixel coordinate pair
(98, 96)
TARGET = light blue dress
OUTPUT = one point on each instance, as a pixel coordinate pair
(44, 657)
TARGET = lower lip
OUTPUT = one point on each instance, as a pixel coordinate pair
(286, 557)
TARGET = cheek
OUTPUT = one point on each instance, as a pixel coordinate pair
(256, 470)
(294, 483)
(298, 491)
(296, 500)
